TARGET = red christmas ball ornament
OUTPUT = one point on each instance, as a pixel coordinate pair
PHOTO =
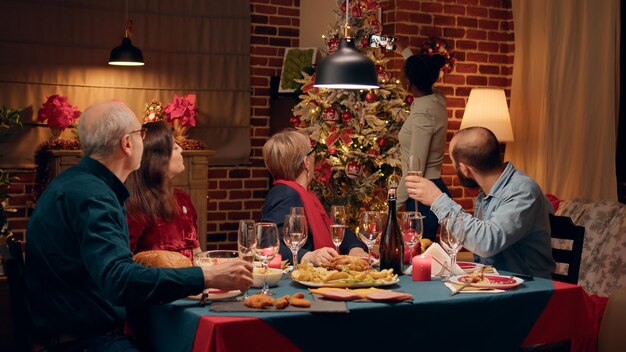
(346, 116)
(333, 45)
(408, 99)
(332, 150)
(330, 115)
(295, 120)
(370, 97)
(354, 169)
(381, 142)
(365, 42)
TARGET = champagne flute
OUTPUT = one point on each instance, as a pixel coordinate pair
(246, 241)
(338, 227)
(414, 168)
(371, 229)
(452, 237)
(412, 229)
(267, 244)
(296, 211)
(295, 234)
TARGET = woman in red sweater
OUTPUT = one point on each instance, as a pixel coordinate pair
(160, 216)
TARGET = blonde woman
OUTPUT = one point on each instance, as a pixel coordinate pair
(290, 159)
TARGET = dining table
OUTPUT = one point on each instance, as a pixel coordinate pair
(538, 311)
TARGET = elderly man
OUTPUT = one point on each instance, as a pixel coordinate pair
(79, 269)
(511, 228)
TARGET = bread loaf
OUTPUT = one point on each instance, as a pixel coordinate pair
(162, 259)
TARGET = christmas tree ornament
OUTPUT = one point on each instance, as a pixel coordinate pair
(332, 150)
(408, 99)
(381, 142)
(346, 116)
(373, 152)
(370, 97)
(354, 169)
(330, 116)
(294, 120)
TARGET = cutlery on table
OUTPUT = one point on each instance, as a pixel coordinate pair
(458, 289)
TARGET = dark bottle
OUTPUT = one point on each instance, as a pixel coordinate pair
(391, 244)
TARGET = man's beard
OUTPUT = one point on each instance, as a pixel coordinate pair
(466, 181)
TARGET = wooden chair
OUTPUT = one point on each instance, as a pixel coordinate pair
(562, 227)
(13, 263)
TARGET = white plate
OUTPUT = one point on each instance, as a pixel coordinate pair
(216, 295)
(347, 285)
(469, 267)
(501, 282)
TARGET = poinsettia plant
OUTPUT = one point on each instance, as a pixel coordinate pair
(58, 112)
(181, 114)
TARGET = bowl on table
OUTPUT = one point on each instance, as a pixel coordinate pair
(214, 257)
(271, 275)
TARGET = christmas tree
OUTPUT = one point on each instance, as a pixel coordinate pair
(355, 132)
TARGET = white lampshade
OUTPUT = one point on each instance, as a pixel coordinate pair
(486, 107)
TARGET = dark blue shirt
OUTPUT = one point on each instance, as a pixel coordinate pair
(278, 203)
(79, 269)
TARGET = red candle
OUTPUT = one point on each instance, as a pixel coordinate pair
(276, 261)
(421, 266)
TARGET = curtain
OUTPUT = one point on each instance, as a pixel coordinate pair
(565, 95)
(189, 46)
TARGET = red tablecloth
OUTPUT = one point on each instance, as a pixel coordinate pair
(570, 315)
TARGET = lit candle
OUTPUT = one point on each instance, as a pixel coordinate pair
(421, 266)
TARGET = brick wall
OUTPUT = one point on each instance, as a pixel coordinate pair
(481, 31)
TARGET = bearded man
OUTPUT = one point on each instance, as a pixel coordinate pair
(511, 228)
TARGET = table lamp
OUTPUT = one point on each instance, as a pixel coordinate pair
(487, 107)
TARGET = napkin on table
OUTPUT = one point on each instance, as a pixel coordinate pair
(439, 256)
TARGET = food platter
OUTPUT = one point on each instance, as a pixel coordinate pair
(349, 284)
(500, 282)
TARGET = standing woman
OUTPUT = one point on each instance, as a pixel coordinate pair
(423, 134)
(160, 216)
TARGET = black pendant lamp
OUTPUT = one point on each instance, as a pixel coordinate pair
(346, 68)
(126, 54)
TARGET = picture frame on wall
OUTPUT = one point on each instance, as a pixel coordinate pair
(294, 62)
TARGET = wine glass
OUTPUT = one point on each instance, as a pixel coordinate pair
(370, 231)
(414, 168)
(267, 244)
(246, 241)
(452, 237)
(412, 229)
(295, 234)
(296, 211)
(338, 227)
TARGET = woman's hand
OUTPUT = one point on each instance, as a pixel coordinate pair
(320, 256)
(358, 252)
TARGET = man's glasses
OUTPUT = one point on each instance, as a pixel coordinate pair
(142, 132)
(312, 151)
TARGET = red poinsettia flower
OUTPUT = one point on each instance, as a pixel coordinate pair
(182, 108)
(58, 112)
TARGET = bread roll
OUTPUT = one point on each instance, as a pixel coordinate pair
(162, 259)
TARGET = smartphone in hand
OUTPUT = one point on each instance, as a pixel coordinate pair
(382, 41)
